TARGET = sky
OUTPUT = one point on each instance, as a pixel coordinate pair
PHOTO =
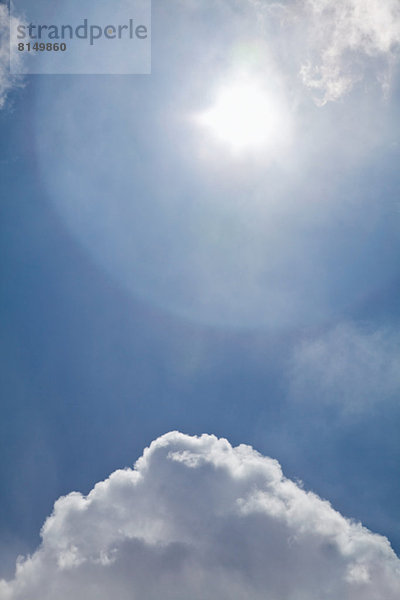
(200, 344)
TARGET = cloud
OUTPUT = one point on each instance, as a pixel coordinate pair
(336, 41)
(7, 80)
(345, 38)
(350, 367)
(242, 241)
(325, 46)
(199, 519)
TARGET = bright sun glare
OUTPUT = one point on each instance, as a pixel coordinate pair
(245, 116)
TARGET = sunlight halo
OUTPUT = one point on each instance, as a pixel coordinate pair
(246, 116)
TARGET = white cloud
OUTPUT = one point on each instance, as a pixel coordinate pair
(336, 41)
(345, 38)
(7, 80)
(199, 519)
(352, 367)
(328, 45)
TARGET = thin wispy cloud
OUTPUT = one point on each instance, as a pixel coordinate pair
(335, 44)
(8, 82)
(355, 369)
(199, 519)
(346, 38)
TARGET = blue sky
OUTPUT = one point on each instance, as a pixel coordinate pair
(159, 274)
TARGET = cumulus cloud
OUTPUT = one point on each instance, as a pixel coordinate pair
(351, 367)
(199, 519)
(7, 80)
(345, 38)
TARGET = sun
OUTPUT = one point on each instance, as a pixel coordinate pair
(247, 116)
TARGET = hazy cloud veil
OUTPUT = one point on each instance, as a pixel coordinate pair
(356, 369)
(346, 35)
(254, 241)
(7, 80)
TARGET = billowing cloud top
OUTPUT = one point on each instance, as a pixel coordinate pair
(199, 519)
